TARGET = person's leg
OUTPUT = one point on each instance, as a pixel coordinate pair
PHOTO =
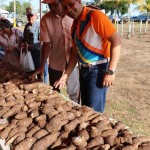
(54, 75)
(73, 85)
(36, 60)
(94, 92)
(46, 74)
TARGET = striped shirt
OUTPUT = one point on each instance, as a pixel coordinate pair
(90, 34)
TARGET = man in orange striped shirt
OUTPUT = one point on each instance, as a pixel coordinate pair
(97, 47)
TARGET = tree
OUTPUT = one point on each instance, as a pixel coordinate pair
(10, 7)
(20, 8)
(144, 7)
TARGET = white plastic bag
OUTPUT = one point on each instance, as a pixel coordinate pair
(26, 61)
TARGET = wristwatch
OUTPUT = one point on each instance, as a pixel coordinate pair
(109, 72)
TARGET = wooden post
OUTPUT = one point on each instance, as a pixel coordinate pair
(14, 13)
(129, 31)
(140, 29)
(146, 24)
(122, 28)
(133, 27)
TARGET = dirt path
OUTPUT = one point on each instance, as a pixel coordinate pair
(129, 99)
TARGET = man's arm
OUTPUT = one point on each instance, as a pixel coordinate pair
(71, 64)
(114, 58)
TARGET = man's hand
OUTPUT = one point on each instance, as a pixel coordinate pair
(108, 80)
(61, 82)
(38, 71)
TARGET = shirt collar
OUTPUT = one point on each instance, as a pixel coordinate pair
(84, 13)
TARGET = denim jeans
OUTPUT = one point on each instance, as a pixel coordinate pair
(46, 74)
(93, 94)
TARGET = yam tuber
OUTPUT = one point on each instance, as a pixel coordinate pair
(45, 142)
(26, 144)
(33, 130)
(21, 115)
(98, 140)
(24, 122)
(40, 133)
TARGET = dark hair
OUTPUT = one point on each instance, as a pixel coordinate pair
(5, 23)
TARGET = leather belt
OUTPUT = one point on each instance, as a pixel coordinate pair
(95, 63)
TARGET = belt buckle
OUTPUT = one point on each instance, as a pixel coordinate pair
(87, 65)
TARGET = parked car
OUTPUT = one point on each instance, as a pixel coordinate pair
(113, 18)
(19, 22)
(124, 19)
(134, 18)
(143, 18)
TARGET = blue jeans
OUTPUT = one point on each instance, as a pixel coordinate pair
(46, 74)
(93, 94)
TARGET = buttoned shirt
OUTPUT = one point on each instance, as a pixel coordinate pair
(57, 31)
(31, 33)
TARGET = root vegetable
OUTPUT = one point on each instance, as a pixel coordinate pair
(16, 138)
(3, 110)
(4, 133)
(39, 134)
(33, 130)
(9, 104)
(30, 96)
(21, 115)
(119, 126)
(2, 126)
(110, 132)
(45, 142)
(79, 141)
(11, 140)
(16, 130)
(24, 122)
(33, 105)
(9, 98)
(52, 127)
(11, 112)
(26, 144)
(95, 142)
(34, 113)
(71, 125)
(60, 139)
(30, 87)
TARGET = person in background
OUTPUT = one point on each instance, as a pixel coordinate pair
(97, 46)
(10, 41)
(55, 33)
(31, 37)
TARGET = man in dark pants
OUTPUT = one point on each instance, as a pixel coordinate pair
(31, 36)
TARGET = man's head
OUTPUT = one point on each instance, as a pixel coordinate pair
(72, 8)
(55, 7)
(31, 15)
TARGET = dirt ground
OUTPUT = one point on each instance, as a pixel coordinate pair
(129, 99)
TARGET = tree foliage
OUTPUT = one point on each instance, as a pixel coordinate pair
(20, 8)
(144, 7)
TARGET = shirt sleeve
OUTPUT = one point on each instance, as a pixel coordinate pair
(44, 34)
(102, 25)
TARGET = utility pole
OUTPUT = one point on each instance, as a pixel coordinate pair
(14, 13)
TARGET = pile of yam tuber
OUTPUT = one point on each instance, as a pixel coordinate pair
(39, 118)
